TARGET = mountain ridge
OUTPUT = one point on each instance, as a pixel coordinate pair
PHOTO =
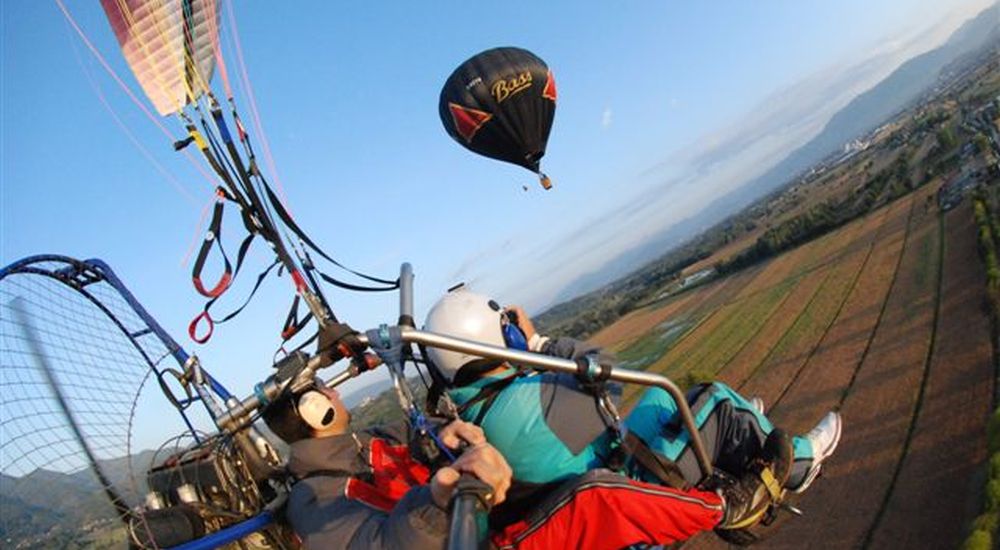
(865, 112)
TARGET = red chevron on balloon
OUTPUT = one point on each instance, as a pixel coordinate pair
(550, 87)
(468, 121)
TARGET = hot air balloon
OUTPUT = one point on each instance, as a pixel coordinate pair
(500, 104)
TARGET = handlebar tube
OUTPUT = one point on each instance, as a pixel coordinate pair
(239, 414)
(230, 534)
(463, 527)
(470, 505)
(406, 296)
(557, 364)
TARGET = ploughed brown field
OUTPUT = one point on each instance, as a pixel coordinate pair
(883, 320)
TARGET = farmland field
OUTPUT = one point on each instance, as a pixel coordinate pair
(937, 475)
(883, 320)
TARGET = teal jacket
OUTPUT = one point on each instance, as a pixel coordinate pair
(546, 426)
(549, 428)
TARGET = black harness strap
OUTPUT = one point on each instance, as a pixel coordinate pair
(213, 235)
(349, 286)
(229, 274)
(293, 324)
(260, 279)
(258, 210)
(487, 395)
(206, 317)
(328, 473)
(203, 146)
(279, 209)
(664, 469)
(242, 253)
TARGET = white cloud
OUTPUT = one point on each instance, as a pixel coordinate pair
(606, 117)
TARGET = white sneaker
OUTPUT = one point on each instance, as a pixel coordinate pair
(757, 403)
(824, 439)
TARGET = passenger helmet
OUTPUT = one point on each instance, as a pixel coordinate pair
(464, 314)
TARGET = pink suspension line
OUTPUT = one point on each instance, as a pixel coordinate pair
(255, 115)
(201, 168)
(131, 137)
(220, 63)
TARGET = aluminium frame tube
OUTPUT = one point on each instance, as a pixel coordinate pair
(558, 364)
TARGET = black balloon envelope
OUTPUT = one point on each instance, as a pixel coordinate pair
(500, 103)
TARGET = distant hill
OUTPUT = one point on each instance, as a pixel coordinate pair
(627, 262)
(355, 398)
(42, 500)
(384, 406)
(864, 113)
(890, 96)
(45, 507)
(46, 502)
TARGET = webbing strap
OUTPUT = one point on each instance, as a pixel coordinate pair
(196, 137)
(251, 204)
(349, 286)
(772, 484)
(193, 327)
(239, 187)
(293, 324)
(487, 395)
(327, 473)
(205, 317)
(260, 279)
(287, 219)
(664, 469)
(213, 235)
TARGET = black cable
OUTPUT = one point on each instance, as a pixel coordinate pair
(290, 223)
(213, 143)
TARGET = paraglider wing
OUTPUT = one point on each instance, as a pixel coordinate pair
(169, 45)
(500, 103)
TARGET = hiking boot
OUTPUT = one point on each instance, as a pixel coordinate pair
(757, 403)
(745, 500)
(752, 498)
(824, 439)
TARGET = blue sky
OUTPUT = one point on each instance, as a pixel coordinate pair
(662, 107)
